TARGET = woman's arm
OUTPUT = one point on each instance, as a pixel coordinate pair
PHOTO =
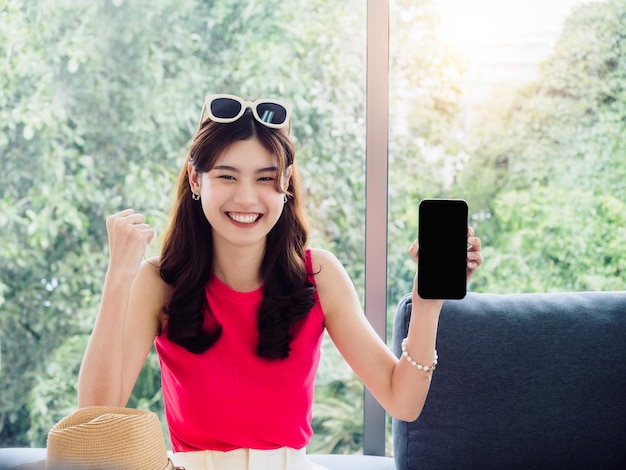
(128, 317)
(400, 387)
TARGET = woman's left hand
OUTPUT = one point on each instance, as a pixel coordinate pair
(474, 256)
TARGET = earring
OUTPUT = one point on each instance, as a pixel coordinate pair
(285, 199)
(195, 197)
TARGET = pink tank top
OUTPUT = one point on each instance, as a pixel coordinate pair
(227, 397)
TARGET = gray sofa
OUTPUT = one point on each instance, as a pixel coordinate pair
(527, 381)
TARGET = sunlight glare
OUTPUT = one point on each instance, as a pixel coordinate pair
(492, 32)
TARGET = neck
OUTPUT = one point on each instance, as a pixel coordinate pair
(239, 267)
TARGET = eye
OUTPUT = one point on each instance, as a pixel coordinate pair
(226, 177)
(266, 178)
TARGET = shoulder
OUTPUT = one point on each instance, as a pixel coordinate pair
(323, 261)
(150, 287)
(149, 272)
(334, 286)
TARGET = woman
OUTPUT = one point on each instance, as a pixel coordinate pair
(238, 304)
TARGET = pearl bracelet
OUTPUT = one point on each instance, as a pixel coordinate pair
(417, 364)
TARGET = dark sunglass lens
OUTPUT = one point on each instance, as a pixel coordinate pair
(272, 113)
(225, 108)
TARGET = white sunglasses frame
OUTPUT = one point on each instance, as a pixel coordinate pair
(208, 114)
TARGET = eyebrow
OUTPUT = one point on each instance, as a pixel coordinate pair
(272, 169)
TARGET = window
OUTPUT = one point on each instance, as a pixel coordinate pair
(516, 107)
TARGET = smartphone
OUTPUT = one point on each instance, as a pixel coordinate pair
(442, 256)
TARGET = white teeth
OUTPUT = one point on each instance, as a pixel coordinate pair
(243, 218)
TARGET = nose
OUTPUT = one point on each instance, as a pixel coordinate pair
(246, 193)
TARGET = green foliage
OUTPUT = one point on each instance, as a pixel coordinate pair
(548, 239)
(98, 101)
(337, 425)
(53, 396)
(549, 160)
(425, 99)
(70, 140)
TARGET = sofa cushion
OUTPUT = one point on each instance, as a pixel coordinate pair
(525, 381)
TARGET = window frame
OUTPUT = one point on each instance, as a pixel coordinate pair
(376, 205)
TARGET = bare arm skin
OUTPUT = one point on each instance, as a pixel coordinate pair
(398, 386)
(128, 318)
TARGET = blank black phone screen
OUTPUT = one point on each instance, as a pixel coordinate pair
(442, 257)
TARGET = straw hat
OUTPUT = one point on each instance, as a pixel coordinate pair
(103, 437)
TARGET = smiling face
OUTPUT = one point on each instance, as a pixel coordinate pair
(238, 194)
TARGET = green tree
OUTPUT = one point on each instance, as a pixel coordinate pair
(552, 157)
(574, 243)
(425, 100)
(71, 146)
(98, 101)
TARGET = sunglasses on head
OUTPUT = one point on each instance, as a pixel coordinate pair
(228, 108)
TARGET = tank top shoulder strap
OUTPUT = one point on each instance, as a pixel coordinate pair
(309, 266)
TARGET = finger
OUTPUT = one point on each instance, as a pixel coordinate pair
(142, 227)
(130, 220)
(148, 235)
(134, 219)
(475, 244)
(470, 231)
(413, 249)
(142, 231)
(474, 261)
(110, 220)
(123, 213)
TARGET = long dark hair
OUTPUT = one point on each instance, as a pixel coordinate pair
(187, 255)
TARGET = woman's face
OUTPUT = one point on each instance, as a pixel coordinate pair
(238, 194)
